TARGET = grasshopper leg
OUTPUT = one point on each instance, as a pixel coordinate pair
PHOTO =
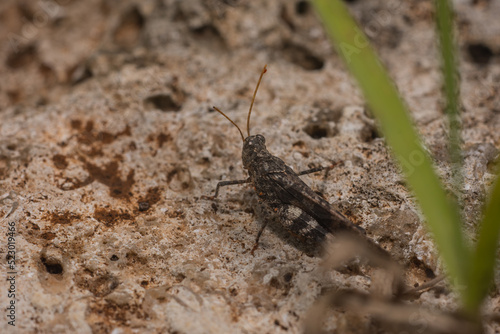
(318, 169)
(299, 224)
(223, 184)
(256, 244)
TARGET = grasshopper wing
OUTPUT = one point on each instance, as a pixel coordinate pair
(292, 190)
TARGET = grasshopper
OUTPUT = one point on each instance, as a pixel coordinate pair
(301, 211)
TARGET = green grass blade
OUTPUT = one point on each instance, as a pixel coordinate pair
(442, 214)
(484, 258)
(444, 22)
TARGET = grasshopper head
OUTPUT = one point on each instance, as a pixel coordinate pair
(253, 147)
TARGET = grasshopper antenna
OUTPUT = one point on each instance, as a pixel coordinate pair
(264, 70)
(230, 120)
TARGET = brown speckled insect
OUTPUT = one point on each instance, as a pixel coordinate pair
(301, 211)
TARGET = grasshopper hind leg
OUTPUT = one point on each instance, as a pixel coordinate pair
(301, 225)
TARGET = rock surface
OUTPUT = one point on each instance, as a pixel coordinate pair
(108, 145)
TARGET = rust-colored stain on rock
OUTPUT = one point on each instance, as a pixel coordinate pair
(152, 197)
(111, 217)
(108, 175)
(163, 138)
(63, 217)
(88, 136)
(60, 161)
(48, 236)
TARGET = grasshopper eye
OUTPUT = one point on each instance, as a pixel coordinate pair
(260, 139)
(255, 140)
